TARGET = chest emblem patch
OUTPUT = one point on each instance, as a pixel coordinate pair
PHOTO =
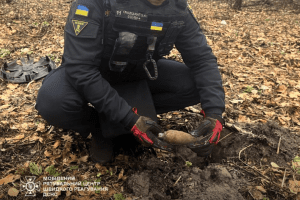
(156, 26)
(82, 10)
(79, 26)
(131, 15)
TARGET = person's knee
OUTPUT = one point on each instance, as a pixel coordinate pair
(186, 85)
(48, 106)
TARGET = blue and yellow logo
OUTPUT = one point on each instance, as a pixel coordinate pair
(82, 10)
(156, 26)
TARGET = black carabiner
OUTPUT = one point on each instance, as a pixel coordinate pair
(154, 66)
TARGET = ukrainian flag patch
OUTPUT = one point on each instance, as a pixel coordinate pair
(156, 26)
(82, 10)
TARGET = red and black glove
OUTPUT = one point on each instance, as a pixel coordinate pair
(210, 132)
(145, 130)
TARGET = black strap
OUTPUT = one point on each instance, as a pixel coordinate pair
(151, 41)
(167, 42)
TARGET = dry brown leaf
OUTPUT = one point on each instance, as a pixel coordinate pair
(243, 118)
(47, 153)
(67, 138)
(9, 178)
(4, 107)
(41, 127)
(281, 89)
(120, 176)
(294, 94)
(269, 114)
(83, 159)
(68, 193)
(12, 86)
(70, 159)
(284, 120)
(294, 186)
(35, 137)
(13, 192)
(261, 188)
(15, 139)
(100, 168)
(274, 165)
(56, 144)
(26, 164)
(235, 101)
(257, 195)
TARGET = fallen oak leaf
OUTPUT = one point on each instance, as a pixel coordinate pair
(41, 127)
(13, 192)
(294, 186)
(56, 144)
(66, 149)
(18, 137)
(83, 159)
(101, 169)
(12, 86)
(67, 138)
(9, 178)
(47, 153)
(35, 137)
(274, 165)
(261, 188)
(121, 174)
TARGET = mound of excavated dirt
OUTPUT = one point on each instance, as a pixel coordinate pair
(262, 140)
(160, 180)
(254, 144)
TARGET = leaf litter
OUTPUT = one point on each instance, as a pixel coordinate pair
(258, 57)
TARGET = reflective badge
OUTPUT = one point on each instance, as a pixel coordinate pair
(156, 26)
(82, 10)
(78, 26)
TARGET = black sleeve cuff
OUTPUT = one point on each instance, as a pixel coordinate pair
(130, 119)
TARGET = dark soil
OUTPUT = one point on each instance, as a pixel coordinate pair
(265, 139)
(214, 178)
(157, 181)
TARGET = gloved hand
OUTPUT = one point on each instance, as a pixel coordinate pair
(145, 130)
(210, 132)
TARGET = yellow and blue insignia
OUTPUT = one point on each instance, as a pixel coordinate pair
(78, 26)
(82, 10)
(156, 26)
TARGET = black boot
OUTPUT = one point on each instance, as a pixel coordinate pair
(102, 149)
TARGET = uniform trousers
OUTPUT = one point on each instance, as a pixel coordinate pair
(62, 106)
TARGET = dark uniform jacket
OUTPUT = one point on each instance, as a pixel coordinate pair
(83, 58)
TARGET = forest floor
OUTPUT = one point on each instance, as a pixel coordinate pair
(258, 53)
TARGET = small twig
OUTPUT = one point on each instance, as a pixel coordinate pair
(50, 130)
(278, 145)
(166, 175)
(225, 136)
(29, 84)
(242, 151)
(251, 55)
(283, 178)
(177, 181)
(267, 178)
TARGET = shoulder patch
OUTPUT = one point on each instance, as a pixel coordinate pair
(82, 10)
(78, 26)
